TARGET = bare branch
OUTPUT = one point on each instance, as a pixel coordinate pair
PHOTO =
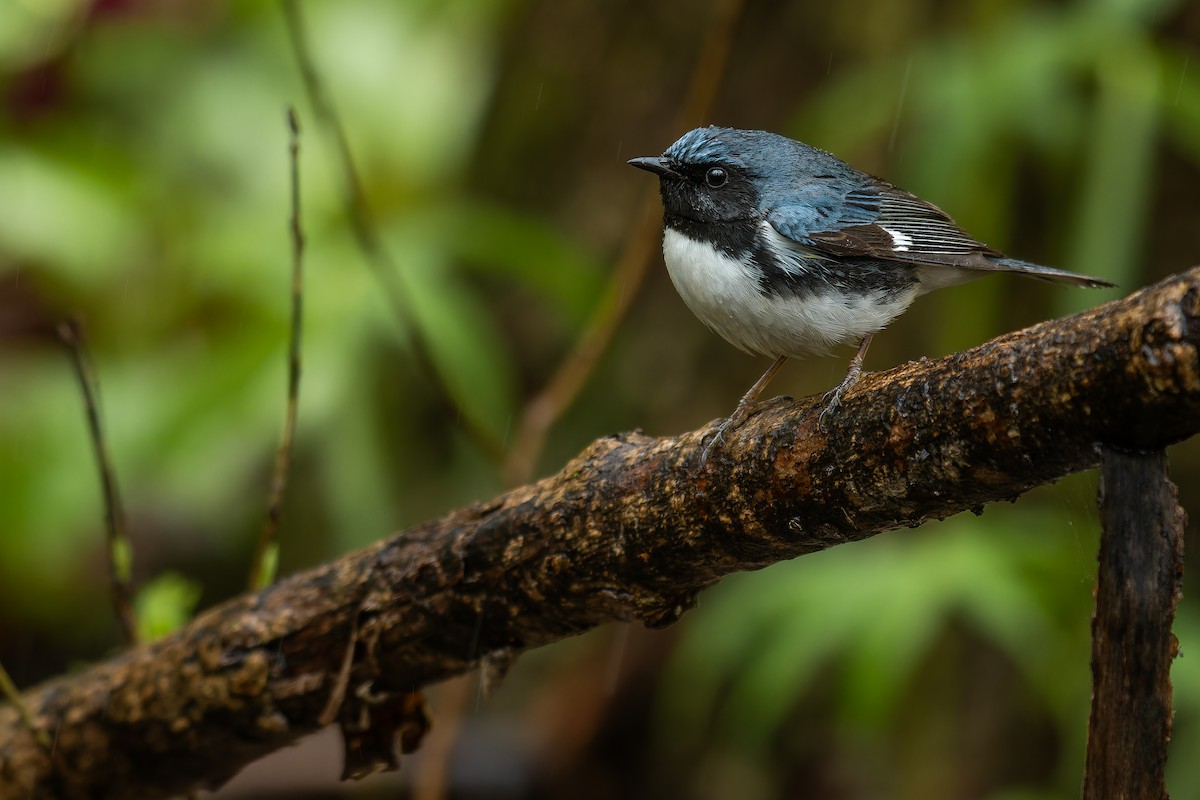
(632, 529)
(120, 549)
(366, 233)
(262, 568)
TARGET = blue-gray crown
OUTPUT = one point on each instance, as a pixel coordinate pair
(706, 145)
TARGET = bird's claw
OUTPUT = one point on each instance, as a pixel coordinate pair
(832, 399)
(713, 437)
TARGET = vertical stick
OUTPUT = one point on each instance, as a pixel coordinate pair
(120, 549)
(263, 568)
(1137, 590)
(366, 234)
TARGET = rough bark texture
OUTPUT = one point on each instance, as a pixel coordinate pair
(631, 529)
(1138, 586)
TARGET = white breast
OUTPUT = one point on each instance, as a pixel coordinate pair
(724, 294)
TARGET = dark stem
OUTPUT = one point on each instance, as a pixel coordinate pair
(262, 569)
(366, 235)
(120, 549)
(1137, 590)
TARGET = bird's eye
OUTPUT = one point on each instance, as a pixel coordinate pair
(716, 177)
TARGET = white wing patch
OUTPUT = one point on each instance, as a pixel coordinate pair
(901, 241)
(918, 227)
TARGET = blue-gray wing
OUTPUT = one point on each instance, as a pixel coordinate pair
(880, 221)
(877, 220)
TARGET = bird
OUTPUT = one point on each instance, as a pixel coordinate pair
(787, 251)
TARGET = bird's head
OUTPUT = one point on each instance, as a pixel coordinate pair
(710, 175)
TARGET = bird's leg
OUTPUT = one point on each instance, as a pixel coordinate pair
(834, 396)
(742, 412)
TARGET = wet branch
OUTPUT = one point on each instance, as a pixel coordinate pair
(632, 529)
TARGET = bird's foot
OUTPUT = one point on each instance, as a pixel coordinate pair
(732, 422)
(743, 410)
(833, 398)
(712, 439)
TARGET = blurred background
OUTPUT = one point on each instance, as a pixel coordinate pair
(495, 226)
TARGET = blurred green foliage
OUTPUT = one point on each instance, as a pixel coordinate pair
(143, 182)
(164, 604)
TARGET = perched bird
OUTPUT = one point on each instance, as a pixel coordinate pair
(787, 251)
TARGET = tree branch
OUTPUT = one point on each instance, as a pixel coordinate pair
(633, 528)
(1138, 588)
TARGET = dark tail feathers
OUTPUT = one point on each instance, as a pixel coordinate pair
(1051, 274)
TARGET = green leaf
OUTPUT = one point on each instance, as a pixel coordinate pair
(165, 604)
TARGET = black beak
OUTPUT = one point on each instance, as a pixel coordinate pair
(659, 166)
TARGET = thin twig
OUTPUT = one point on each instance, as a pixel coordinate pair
(341, 683)
(9, 690)
(366, 233)
(120, 549)
(432, 781)
(572, 374)
(263, 568)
